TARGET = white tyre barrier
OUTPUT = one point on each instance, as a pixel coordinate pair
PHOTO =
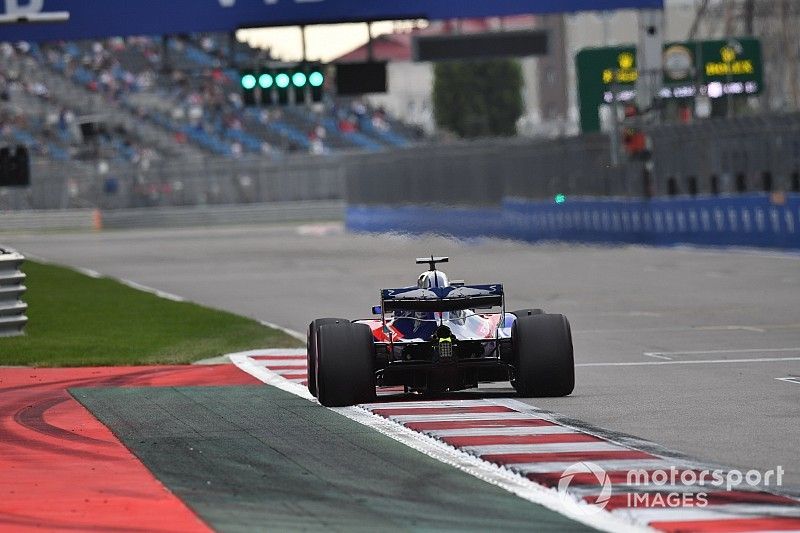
(12, 287)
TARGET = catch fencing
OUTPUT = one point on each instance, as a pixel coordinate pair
(190, 181)
(12, 287)
(715, 156)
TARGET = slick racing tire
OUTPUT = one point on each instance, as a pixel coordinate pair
(345, 364)
(542, 354)
(311, 349)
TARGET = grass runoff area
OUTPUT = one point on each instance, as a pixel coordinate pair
(76, 320)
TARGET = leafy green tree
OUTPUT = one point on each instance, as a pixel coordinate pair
(478, 98)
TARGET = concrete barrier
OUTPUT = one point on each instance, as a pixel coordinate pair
(46, 220)
(754, 220)
(157, 217)
(262, 213)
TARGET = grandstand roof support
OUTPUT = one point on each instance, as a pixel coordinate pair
(303, 41)
(232, 49)
(370, 56)
(166, 63)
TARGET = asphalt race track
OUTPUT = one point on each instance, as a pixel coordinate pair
(685, 348)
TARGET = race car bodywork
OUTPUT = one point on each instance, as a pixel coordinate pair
(439, 336)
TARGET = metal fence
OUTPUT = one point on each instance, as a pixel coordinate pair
(483, 172)
(736, 155)
(716, 156)
(178, 182)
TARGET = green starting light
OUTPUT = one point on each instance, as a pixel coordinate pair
(282, 80)
(265, 81)
(560, 198)
(248, 81)
(299, 79)
(316, 79)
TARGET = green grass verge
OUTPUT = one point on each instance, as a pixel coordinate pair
(75, 320)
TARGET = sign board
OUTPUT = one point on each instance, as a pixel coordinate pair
(480, 45)
(711, 69)
(103, 18)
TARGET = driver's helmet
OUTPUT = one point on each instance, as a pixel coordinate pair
(432, 278)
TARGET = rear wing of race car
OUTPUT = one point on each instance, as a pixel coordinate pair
(442, 299)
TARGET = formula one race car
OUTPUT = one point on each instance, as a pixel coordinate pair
(438, 336)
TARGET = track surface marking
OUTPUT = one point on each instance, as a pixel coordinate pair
(621, 301)
(61, 469)
(538, 447)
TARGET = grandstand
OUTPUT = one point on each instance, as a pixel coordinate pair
(136, 99)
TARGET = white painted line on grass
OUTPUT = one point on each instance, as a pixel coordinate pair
(790, 379)
(496, 475)
(698, 362)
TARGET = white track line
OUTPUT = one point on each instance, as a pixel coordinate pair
(89, 272)
(711, 512)
(610, 465)
(151, 290)
(746, 350)
(699, 362)
(417, 403)
(292, 333)
(550, 447)
(657, 356)
(492, 431)
(287, 362)
(405, 419)
(498, 476)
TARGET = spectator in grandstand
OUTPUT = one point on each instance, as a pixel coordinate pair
(348, 125)
(359, 108)
(379, 120)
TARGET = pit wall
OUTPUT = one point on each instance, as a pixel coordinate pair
(750, 220)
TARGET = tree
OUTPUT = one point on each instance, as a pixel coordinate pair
(478, 98)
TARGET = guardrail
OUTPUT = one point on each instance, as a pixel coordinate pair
(755, 220)
(12, 308)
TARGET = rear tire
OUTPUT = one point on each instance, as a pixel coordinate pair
(311, 350)
(542, 355)
(345, 364)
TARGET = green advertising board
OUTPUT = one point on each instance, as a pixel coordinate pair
(710, 68)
